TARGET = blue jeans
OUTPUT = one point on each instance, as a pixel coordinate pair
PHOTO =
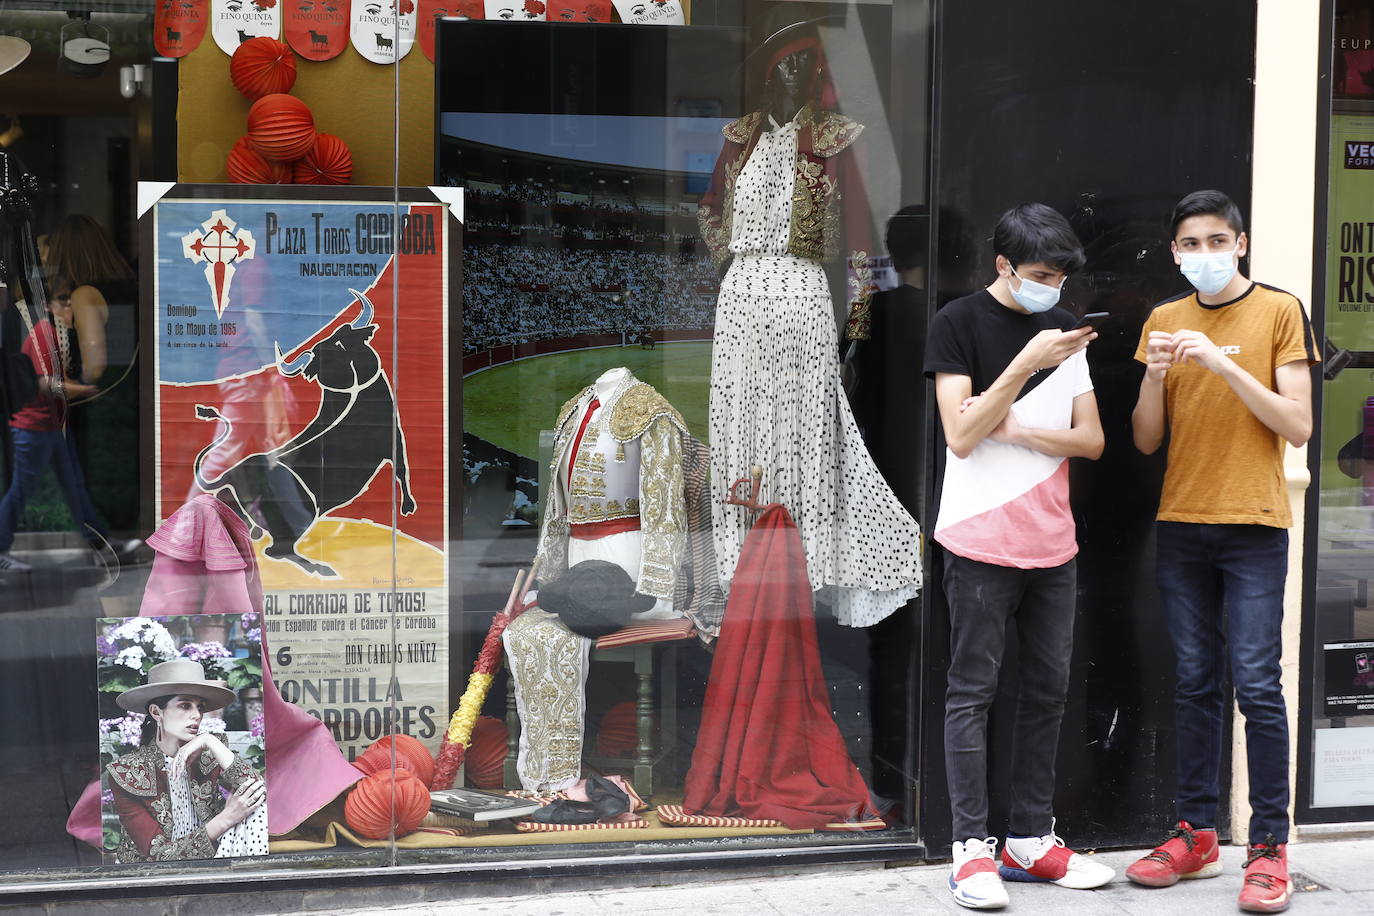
(33, 453)
(1222, 590)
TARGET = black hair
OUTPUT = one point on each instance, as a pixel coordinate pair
(1034, 233)
(1207, 203)
(149, 723)
(908, 237)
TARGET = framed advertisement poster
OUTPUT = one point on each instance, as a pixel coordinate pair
(301, 373)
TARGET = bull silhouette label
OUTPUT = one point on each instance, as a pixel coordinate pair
(331, 462)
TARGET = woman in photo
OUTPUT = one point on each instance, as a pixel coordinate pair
(168, 792)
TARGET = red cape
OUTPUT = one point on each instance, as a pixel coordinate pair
(768, 745)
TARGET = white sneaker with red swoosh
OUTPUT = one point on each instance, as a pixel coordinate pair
(1046, 858)
(973, 876)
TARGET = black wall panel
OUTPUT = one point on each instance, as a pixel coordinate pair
(1109, 112)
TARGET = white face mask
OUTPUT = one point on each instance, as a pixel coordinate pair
(1034, 297)
(1208, 271)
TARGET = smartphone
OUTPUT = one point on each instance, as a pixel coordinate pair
(1093, 319)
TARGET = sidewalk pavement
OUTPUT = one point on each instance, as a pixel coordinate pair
(1332, 876)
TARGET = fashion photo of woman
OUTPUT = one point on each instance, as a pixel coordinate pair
(183, 794)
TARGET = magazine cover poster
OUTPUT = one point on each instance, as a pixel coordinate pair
(291, 387)
(182, 737)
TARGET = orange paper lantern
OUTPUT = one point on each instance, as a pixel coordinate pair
(378, 758)
(422, 762)
(245, 166)
(261, 66)
(368, 810)
(486, 758)
(328, 162)
(281, 127)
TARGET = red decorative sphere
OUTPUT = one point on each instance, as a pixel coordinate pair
(421, 761)
(328, 162)
(281, 127)
(377, 759)
(261, 66)
(486, 758)
(368, 809)
(245, 166)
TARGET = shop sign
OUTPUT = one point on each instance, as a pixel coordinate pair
(382, 31)
(651, 12)
(316, 29)
(179, 26)
(1348, 687)
(301, 353)
(232, 22)
(1343, 767)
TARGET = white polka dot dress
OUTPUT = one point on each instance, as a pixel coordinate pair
(776, 402)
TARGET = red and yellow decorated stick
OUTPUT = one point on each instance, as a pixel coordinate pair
(459, 734)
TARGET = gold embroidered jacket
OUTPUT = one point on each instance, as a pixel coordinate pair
(639, 414)
(830, 211)
(143, 802)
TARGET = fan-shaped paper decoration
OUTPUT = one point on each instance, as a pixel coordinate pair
(262, 66)
(619, 732)
(421, 759)
(486, 758)
(368, 808)
(247, 167)
(378, 758)
(281, 127)
(328, 162)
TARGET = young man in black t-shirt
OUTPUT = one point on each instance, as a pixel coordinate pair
(1015, 400)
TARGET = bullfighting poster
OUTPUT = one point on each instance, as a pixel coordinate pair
(290, 386)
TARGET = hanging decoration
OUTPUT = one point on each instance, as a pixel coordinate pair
(179, 26)
(316, 29)
(281, 127)
(329, 161)
(382, 31)
(261, 66)
(368, 809)
(427, 20)
(246, 166)
(651, 12)
(579, 10)
(518, 10)
(232, 22)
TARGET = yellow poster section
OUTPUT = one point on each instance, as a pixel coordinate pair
(350, 97)
(360, 552)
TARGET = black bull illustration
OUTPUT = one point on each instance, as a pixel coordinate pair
(331, 461)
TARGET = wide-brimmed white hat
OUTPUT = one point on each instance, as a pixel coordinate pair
(13, 52)
(179, 676)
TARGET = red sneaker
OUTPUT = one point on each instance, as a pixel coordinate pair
(1267, 887)
(1185, 853)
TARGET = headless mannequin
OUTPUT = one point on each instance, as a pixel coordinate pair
(788, 84)
(621, 549)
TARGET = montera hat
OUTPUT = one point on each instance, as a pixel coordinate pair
(594, 598)
(178, 676)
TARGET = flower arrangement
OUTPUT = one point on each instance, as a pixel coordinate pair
(255, 751)
(119, 736)
(213, 657)
(458, 735)
(127, 650)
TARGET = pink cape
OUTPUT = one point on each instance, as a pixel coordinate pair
(205, 565)
(768, 745)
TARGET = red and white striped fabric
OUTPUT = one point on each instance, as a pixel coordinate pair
(676, 816)
(648, 631)
(623, 822)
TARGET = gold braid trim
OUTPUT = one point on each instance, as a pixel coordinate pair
(741, 129)
(639, 406)
(833, 133)
(861, 289)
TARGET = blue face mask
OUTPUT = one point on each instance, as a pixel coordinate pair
(1208, 271)
(1034, 297)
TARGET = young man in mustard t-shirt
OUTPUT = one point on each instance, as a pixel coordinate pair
(1227, 377)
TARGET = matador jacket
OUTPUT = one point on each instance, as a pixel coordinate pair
(830, 211)
(143, 802)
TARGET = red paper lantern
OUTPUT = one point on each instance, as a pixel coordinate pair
(486, 758)
(328, 162)
(245, 166)
(377, 759)
(281, 127)
(619, 731)
(368, 809)
(261, 66)
(422, 762)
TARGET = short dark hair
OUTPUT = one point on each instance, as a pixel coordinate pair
(1034, 233)
(908, 236)
(1207, 203)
